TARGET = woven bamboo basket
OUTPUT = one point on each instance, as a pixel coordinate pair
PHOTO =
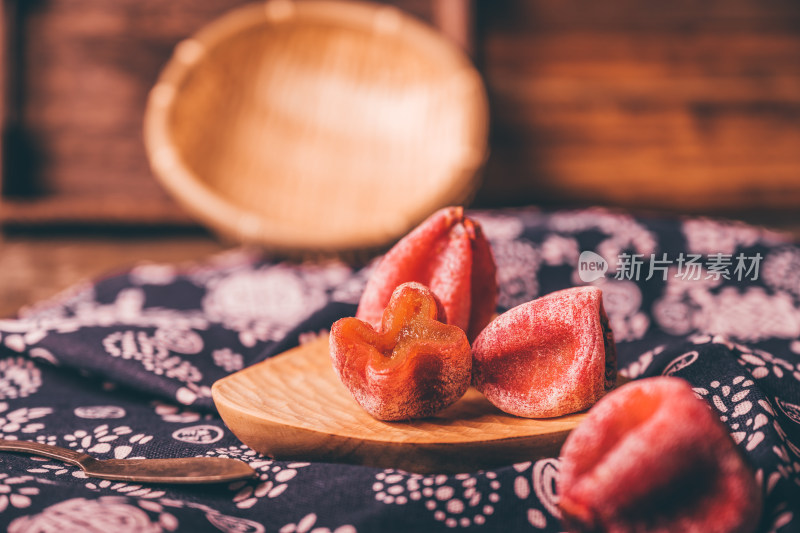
(317, 125)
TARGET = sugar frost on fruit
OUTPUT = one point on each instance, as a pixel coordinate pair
(449, 254)
(548, 357)
(413, 366)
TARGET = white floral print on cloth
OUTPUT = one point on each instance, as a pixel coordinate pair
(19, 377)
(264, 304)
(622, 299)
(178, 415)
(222, 522)
(765, 364)
(17, 423)
(792, 411)
(85, 311)
(781, 270)
(461, 500)
(540, 480)
(200, 434)
(94, 412)
(272, 477)
(707, 236)
(746, 314)
(305, 525)
(517, 263)
(128, 489)
(94, 516)
(125, 514)
(156, 355)
(153, 274)
(517, 259)
(16, 491)
(638, 367)
(228, 360)
(120, 441)
(747, 417)
(622, 232)
(43, 467)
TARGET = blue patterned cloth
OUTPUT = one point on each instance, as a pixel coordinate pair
(123, 368)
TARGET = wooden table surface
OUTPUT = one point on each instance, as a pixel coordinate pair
(33, 268)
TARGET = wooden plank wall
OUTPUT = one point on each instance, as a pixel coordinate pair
(684, 105)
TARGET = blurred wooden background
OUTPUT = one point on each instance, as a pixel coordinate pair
(684, 106)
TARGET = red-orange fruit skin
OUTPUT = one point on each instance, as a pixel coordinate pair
(449, 253)
(412, 367)
(548, 357)
(651, 457)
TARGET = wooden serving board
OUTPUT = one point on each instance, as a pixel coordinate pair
(293, 406)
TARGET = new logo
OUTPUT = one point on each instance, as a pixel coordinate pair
(591, 266)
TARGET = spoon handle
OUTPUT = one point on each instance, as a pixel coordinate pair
(172, 470)
(45, 450)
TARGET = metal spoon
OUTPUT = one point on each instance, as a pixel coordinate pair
(175, 470)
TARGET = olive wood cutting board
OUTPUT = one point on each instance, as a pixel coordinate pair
(293, 406)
